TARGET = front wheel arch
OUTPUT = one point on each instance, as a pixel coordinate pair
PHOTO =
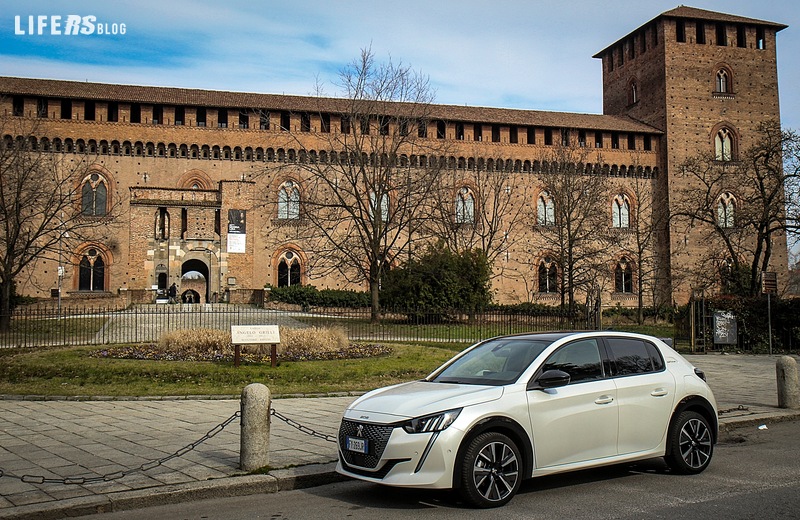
(491, 471)
(503, 425)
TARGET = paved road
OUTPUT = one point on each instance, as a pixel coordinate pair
(751, 478)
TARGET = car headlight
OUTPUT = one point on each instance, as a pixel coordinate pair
(432, 423)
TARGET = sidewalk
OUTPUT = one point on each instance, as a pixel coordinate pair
(56, 439)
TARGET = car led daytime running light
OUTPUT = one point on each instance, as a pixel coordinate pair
(432, 423)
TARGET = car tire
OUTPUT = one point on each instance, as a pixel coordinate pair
(690, 444)
(491, 470)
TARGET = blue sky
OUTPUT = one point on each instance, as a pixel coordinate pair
(518, 54)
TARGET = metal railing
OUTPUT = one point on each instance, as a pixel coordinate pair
(46, 326)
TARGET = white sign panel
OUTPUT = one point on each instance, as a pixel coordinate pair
(244, 334)
(237, 243)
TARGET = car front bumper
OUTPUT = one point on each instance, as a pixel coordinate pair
(407, 460)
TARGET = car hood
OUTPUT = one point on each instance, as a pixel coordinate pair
(418, 398)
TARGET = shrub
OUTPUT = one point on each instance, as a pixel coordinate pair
(658, 314)
(752, 318)
(295, 294)
(531, 309)
(438, 282)
(308, 295)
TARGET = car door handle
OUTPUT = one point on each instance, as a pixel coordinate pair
(603, 399)
(659, 392)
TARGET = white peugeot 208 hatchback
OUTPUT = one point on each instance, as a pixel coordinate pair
(528, 405)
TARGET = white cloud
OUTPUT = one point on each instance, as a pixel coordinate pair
(533, 54)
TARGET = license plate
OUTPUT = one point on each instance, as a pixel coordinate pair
(358, 445)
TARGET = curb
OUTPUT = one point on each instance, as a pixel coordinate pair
(278, 480)
(727, 427)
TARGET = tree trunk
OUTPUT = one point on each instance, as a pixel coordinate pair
(640, 309)
(5, 306)
(375, 303)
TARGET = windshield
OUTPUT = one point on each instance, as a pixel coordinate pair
(496, 362)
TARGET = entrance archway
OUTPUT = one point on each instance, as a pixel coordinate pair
(194, 277)
(190, 296)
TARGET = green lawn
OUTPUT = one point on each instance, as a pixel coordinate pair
(72, 372)
(465, 333)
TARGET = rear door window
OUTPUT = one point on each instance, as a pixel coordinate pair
(633, 356)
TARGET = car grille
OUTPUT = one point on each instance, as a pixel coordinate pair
(377, 437)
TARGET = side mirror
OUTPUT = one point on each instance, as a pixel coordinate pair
(550, 379)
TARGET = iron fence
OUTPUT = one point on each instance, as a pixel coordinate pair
(47, 326)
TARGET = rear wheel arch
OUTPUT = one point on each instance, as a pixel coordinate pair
(690, 443)
(700, 405)
(507, 427)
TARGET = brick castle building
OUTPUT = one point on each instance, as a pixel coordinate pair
(210, 196)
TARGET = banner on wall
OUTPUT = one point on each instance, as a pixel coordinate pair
(237, 230)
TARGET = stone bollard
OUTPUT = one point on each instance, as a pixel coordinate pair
(788, 386)
(254, 447)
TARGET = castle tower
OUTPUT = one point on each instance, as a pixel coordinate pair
(706, 80)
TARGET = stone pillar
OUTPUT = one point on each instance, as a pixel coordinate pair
(254, 447)
(788, 386)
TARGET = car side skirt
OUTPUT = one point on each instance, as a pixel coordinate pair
(619, 459)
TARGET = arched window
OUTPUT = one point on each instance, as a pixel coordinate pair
(548, 276)
(723, 145)
(382, 209)
(726, 206)
(623, 277)
(91, 271)
(545, 210)
(621, 212)
(289, 269)
(722, 81)
(94, 195)
(465, 206)
(289, 201)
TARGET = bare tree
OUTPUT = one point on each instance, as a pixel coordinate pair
(40, 205)
(572, 219)
(637, 238)
(744, 206)
(364, 201)
(480, 210)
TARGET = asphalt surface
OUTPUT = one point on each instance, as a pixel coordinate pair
(63, 457)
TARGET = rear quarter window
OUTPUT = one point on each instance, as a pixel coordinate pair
(634, 356)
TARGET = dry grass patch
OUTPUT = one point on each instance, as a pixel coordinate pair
(313, 343)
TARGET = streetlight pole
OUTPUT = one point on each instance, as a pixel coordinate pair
(61, 235)
(60, 265)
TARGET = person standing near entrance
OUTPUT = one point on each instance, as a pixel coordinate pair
(172, 292)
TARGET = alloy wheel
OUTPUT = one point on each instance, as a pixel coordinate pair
(496, 471)
(695, 443)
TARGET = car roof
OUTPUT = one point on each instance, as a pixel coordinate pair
(557, 335)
